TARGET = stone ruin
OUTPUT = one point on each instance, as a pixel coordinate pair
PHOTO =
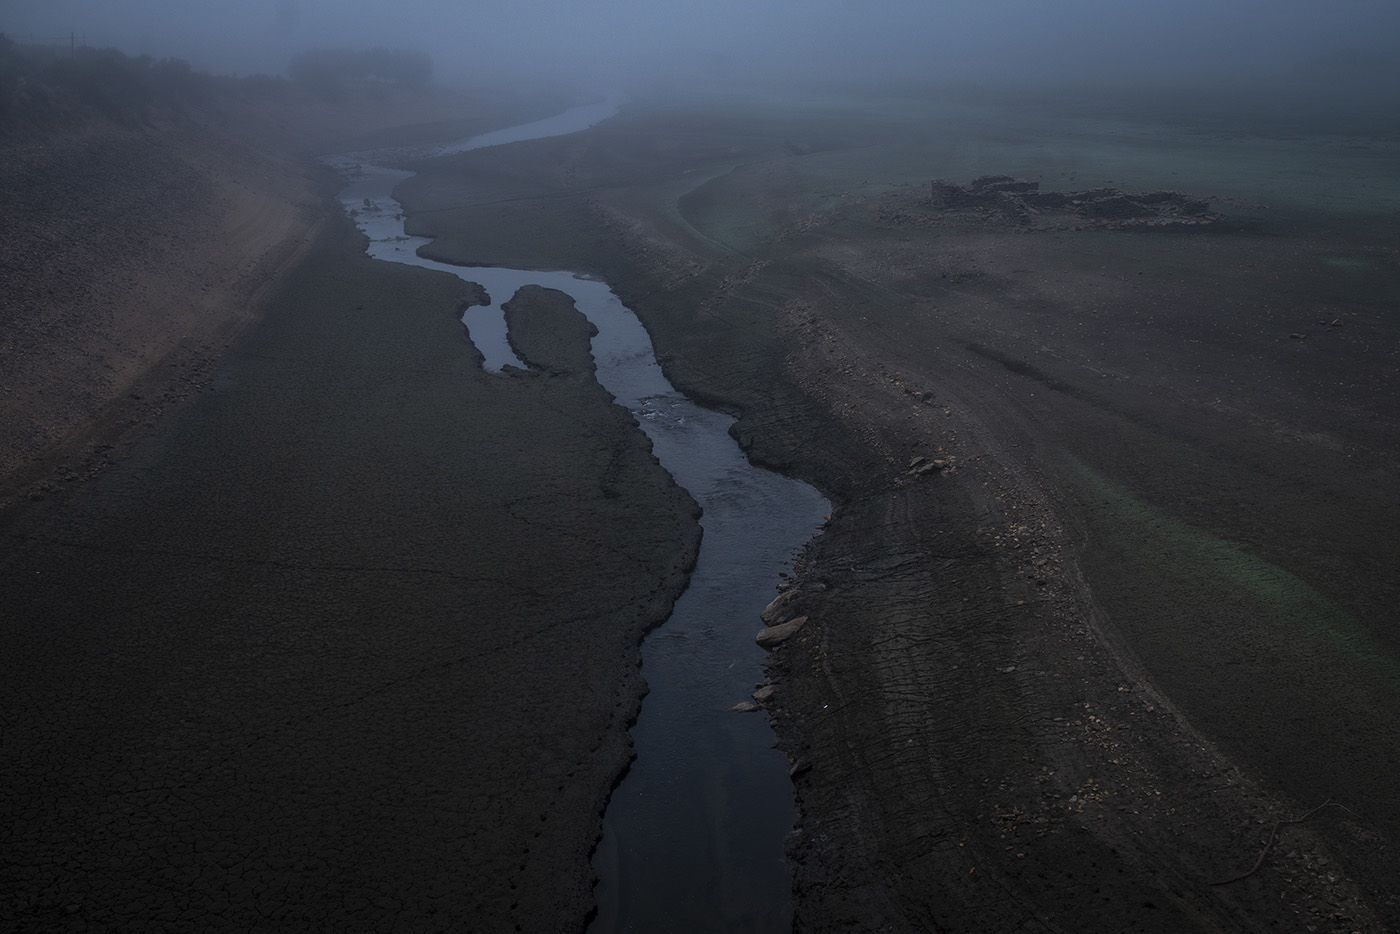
(1024, 202)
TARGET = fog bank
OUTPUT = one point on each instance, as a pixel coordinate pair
(614, 44)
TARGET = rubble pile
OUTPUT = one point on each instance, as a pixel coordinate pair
(1024, 202)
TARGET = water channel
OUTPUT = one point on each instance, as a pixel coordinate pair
(693, 837)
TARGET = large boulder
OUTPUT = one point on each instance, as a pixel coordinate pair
(776, 610)
(772, 636)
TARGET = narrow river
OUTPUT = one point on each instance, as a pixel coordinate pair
(693, 837)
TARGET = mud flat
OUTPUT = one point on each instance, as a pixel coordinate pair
(1139, 619)
(338, 646)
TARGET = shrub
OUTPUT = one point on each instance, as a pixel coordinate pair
(43, 83)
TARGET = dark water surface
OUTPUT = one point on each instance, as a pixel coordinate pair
(693, 837)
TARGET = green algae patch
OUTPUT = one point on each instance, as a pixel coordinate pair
(1285, 679)
(1185, 554)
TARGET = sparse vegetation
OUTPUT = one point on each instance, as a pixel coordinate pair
(38, 82)
(46, 84)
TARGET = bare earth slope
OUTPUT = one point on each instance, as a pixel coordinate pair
(134, 250)
(121, 247)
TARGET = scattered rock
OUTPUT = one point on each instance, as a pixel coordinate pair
(944, 195)
(1003, 183)
(745, 707)
(772, 636)
(1023, 201)
(799, 768)
(764, 694)
(986, 181)
(1049, 200)
(775, 610)
(1115, 207)
(929, 466)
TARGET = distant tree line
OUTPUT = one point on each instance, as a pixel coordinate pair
(41, 83)
(336, 70)
(51, 84)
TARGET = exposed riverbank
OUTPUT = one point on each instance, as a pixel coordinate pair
(132, 256)
(996, 729)
(693, 836)
(135, 251)
(337, 644)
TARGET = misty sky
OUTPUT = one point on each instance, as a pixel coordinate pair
(611, 41)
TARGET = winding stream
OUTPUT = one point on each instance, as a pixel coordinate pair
(693, 837)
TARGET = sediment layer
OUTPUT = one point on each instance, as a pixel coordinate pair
(352, 640)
